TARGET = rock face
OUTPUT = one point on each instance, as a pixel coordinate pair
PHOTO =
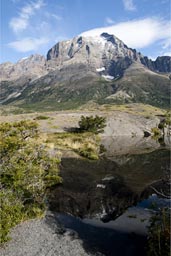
(104, 53)
(33, 66)
(99, 68)
(163, 64)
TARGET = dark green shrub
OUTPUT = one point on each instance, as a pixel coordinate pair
(89, 153)
(26, 171)
(41, 118)
(156, 131)
(159, 234)
(161, 126)
(11, 212)
(92, 124)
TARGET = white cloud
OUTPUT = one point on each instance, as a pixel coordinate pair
(129, 5)
(20, 23)
(56, 17)
(60, 38)
(166, 53)
(109, 21)
(28, 44)
(137, 33)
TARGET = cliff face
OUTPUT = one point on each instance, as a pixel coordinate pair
(104, 53)
(96, 51)
(161, 64)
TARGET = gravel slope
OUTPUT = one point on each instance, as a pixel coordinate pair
(43, 237)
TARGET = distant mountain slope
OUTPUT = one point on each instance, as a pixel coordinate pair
(139, 84)
(100, 68)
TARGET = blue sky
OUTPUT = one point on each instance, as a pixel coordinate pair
(34, 26)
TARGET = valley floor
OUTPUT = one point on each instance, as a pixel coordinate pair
(130, 120)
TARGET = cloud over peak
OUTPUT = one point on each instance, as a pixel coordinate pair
(129, 5)
(137, 33)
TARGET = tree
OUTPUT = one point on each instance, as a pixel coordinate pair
(92, 124)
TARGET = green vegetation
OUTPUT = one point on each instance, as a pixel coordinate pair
(92, 124)
(83, 140)
(88, 152)
(164, 123)
(168, 118)
(41, 117)
(85, 144)
(159, 234)
(156, 131)
(27, 170)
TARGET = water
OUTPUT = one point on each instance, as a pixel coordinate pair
(108, 202)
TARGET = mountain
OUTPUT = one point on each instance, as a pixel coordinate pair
(100, 68)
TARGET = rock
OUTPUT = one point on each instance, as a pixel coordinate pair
(147, 134)
(33, 66)
(163, 64)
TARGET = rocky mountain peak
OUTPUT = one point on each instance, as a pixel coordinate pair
(103, 52)
(34, 58)
(83, 69)
(109, 38)
(32, 66)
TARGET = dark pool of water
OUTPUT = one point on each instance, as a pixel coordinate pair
(105, 201)
(124, 236)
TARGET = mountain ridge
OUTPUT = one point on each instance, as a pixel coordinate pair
(85, 68)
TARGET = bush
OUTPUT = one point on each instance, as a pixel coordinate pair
(26, 170)
(161, 125)
(92, 124)
(41, 118)
(159, 234)
(11, 212)
(89, 153)
(156, 131)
